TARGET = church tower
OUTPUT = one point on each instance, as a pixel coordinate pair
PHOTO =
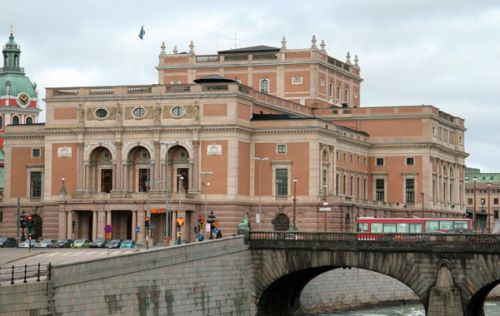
(18, 95)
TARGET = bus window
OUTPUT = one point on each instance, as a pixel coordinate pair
(376, 227)
(431, 226)
(461, 225)
(362, 227)
(389, 228)
(445, 225)
(403, 228)
(416, 228)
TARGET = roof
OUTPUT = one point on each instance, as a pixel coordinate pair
(251, 49)
(212, 79)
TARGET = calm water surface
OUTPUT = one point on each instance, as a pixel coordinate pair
(491, 308)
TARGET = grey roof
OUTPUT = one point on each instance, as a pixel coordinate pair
(251, 49)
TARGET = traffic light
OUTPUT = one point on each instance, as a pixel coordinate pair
(147, 223)
(180, 221)
(22, 221)
(30, 221)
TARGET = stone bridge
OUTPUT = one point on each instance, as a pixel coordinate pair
(451, 274)
(262, 274)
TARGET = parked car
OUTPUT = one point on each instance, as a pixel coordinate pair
(99, 243)
(46, 243)
(127, 244)
(26, 243)
(8, 242)
(115, 243)
(81, 243)
(63, 243)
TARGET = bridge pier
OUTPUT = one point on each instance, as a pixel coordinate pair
(445, 298)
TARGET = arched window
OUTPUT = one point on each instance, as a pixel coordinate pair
(330, 89)
(338, 93)
(264, 85)
(15, 120)
(29, 120)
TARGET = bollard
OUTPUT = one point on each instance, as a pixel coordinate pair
(50, 270)
(25, 267)
(38, 273)
(12, 278)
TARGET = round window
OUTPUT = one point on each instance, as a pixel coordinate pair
(139, 112)
(178, 111)
(101, 113)
(107, 155)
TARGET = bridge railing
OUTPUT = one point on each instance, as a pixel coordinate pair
(345, 236)
(25, 273)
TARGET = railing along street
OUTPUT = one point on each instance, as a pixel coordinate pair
(24, 273)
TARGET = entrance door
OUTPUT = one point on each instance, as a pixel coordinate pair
(106, 180)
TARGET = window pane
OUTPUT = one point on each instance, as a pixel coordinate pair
(415, 228)
(461, 225)
(376, 227)
(389, 228)
(445, 225)
(403, 228)
(431, 226)
(362, 227)
(36, 184)
(379, 189)
(281, 181)
(410, 190)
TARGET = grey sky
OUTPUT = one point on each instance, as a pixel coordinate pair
(439, 52)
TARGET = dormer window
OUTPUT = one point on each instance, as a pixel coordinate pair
(15, 120)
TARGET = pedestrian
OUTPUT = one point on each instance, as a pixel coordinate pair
(219, 234)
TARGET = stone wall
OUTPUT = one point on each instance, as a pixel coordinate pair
(209, 278)
(351, 288)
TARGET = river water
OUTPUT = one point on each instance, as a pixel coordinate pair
(491, 308)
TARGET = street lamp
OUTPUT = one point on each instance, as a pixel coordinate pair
(475, 207)
(422, 194)
(179, 189)
(260, 159)
(205, 185)
(294, 202)
(489, 209)
(325, 203)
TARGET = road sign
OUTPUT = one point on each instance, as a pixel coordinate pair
(325, 209)
(137, 230)
(107, 228)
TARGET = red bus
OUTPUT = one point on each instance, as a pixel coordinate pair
(399, 225)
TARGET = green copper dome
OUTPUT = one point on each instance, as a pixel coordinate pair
(12, 78)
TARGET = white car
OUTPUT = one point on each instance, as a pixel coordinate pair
(25, 244)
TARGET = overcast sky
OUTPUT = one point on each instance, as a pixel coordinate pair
(441, 52)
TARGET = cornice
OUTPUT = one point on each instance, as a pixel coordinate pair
(425, 145)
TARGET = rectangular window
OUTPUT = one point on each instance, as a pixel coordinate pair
(379, 189)
(364, 189)
(344, 156)
(376, 227)
(403, 228)
(144, 176)
(351, 185)
(469, 201)
(337, 155)
(445, 225)
(495, 214)
(357, 187)
(416, 228)
(389, 228)
(35, 184)
(410, 161)
(380, 161)
(495, 201)
(337, 184)
(343, 191)
(410, 190)
(282, 182)
(460, 225)
(362, 227)
(35, 152)
(431, 226)
(281, 148)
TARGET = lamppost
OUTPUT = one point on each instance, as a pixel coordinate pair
(294, 202)
(325, 203)
(489, 208)
(205, 185)
(483, 201)
(179, 190)
(475, 206)
(260, 159)
(422, 194)
(167, 185)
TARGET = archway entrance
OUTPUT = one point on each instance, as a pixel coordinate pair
(83, 225)
(121, 221)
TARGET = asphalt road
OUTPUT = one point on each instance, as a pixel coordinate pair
(56, 256)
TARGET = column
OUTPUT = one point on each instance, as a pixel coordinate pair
(62, 222)
(108, 217)
(118, 185)
(140, 223)
(196, 167)
(87, 176)
(80, 168)
(94, 225)
(134, 224)
(101, 219)
(69, 225)
(157, 164)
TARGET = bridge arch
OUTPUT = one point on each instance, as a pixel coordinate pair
(284, 274)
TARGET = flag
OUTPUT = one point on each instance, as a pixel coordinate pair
(142, 32)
